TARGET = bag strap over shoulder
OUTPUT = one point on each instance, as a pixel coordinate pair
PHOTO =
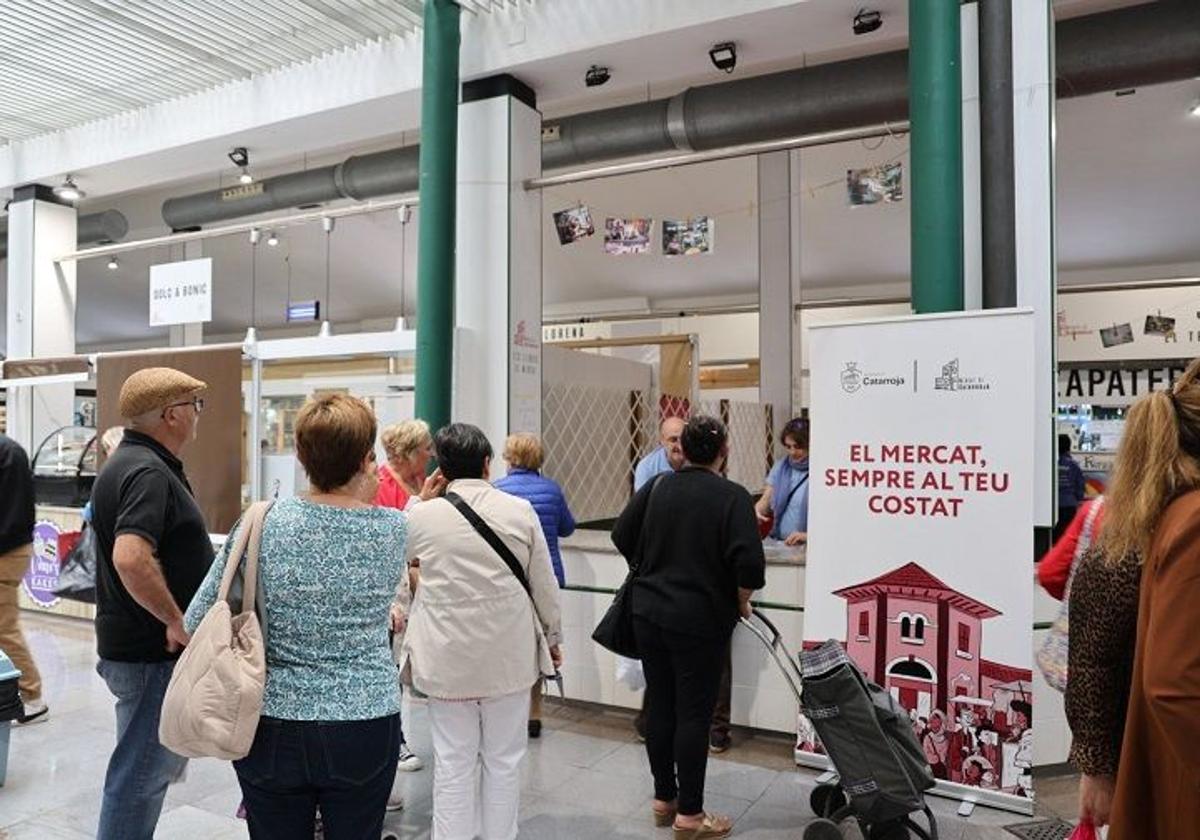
(247, 544)
(485, 531)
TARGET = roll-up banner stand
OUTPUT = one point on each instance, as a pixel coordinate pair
(920, 551)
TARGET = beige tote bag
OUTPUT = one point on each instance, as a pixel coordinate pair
(215, 697)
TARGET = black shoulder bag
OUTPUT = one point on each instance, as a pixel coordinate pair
(615, 630)
(494, 541)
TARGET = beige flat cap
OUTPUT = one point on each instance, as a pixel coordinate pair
(157, 387)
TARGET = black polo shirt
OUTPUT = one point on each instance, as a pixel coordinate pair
(16, 491)
(142, 490)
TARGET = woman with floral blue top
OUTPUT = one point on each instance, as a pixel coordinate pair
(329, 566)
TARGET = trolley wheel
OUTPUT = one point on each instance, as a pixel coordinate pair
(826, 800)
(895, 830)
(822, 829)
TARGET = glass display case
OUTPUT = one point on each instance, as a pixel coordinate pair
(64, 467)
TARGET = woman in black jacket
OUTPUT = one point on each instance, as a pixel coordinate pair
(694, 536)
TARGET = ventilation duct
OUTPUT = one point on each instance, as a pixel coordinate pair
(1135, 46)
(108, 226)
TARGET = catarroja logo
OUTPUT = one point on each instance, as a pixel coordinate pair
(854, 380)
(851, 378)
(953, 380)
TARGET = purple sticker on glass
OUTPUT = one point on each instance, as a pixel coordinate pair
(41, 579)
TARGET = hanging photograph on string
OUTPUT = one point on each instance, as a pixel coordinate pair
(573, 224)
(1159, 325)
(875, 184)
(627, 236)
(1116, 335)
(685, 238)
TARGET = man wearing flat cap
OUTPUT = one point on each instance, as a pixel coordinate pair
(153, 551)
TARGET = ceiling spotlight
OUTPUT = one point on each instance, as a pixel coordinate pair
(113, 265)
(866, 21)
(596, 76)
(68, 191)
(255, 235)
(724, 56)
(241, 159)
(1195, 109)
(272, 239)
(404, 211)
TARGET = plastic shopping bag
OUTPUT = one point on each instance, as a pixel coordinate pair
(1084, 831)
(629, 672)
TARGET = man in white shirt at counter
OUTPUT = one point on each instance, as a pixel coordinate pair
(666, 457)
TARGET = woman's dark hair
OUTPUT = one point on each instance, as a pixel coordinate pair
(1064, 445)
(702, 440)
(797, 429)
(461, 450)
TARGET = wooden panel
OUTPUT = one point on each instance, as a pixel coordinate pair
(675, 369)
(213, 461)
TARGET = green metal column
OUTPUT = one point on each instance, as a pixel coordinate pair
(936, 167)
(438, 183)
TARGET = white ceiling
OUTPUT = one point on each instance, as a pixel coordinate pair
(65, 62)
(1126, 194)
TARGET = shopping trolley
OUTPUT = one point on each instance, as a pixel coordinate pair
(881, 770)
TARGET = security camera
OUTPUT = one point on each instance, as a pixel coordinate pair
(724, 56)
(866, 21)
(596, 76)
(240, 157)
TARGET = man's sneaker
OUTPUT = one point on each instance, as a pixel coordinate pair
(395, 801)
(409, 761)
(719, 742)
(35, 712)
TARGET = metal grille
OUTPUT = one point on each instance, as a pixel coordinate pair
(1051, 829)
(65, 62)
(594, 437)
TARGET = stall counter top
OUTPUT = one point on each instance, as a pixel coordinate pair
(585, 539)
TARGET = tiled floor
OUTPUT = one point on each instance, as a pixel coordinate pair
(585, 778)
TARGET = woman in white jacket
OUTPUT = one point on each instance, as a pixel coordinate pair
(477, 639)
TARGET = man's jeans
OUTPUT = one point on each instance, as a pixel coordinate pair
(140, 768)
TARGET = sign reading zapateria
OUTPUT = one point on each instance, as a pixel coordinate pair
(1113, 386)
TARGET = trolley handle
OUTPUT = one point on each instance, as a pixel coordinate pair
(775, 634)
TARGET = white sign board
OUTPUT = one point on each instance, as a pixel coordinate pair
(181, 292)
(1155, 322)
(921, 530)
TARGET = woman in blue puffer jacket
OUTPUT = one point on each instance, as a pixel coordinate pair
(525, 455)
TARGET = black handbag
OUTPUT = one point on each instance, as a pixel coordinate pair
(77, 574)
(615, 630)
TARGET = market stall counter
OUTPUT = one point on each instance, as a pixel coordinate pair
(594, 570)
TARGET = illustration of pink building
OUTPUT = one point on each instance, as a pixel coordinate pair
(920, 639)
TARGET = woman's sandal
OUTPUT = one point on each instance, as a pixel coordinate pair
(714, 825)
(662, 819)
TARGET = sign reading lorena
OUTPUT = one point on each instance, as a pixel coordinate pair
(181, 293)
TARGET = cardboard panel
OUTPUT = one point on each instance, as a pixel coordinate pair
(213, 461)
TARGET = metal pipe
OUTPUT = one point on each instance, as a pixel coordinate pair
(935, 155)
(358, 177)
(241, 227)
(106, 226)
(1145, 44)
(690, 158)
(999, 213)
(438, 180)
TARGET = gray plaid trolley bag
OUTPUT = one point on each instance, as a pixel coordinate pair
(881, 768)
